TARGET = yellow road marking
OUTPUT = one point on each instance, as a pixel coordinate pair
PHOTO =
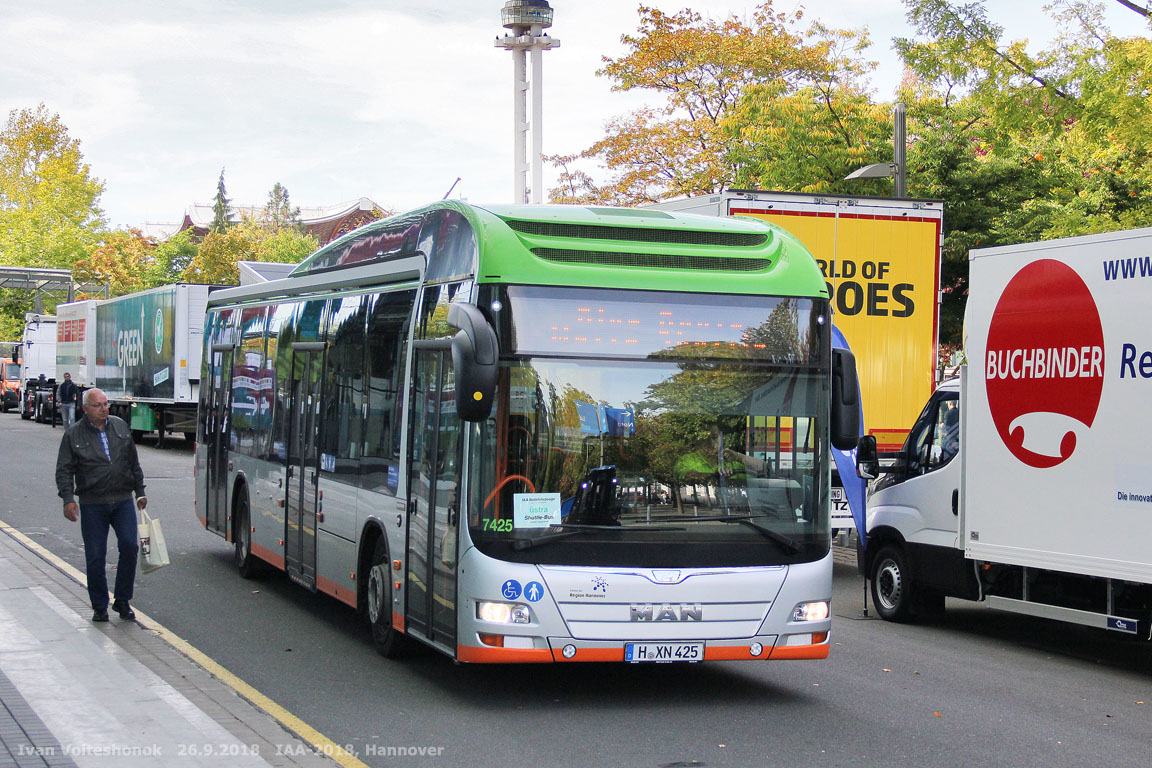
(319, 741)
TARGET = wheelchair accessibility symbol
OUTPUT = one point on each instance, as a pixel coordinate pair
(511, 589)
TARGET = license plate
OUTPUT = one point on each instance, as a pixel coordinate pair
(663, 652)
(839, 502)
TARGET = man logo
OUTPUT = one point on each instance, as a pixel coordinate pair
(666, 612)
(1045, 365)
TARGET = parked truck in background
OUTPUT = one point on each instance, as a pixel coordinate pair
(38, 367)
(143, 350)
(881, 260)
(1027, 483)
(9, 379)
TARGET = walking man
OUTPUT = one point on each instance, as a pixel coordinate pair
(67, 397)
(97, 462)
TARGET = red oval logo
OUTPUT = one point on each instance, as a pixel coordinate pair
(1045, 363)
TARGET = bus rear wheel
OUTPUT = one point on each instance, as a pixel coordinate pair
(388, 640)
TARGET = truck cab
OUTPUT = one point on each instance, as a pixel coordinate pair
(9, 384)
(913, 556)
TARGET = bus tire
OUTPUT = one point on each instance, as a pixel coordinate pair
(247, 564)
(891, 587)
(388, 640)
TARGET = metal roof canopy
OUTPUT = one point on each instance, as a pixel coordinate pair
(49, 281)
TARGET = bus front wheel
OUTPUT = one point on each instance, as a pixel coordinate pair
(246, 563)
(389, 642)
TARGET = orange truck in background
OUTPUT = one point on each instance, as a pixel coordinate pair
(9, 384)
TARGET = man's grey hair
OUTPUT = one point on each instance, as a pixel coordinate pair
(89, 394)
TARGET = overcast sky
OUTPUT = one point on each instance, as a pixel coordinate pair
(342, 99)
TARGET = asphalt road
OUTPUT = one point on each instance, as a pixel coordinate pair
(972, 687)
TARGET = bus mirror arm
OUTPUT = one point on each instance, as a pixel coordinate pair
(845, 414)
(474, 357)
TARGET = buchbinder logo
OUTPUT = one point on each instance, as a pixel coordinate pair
(1045, 365)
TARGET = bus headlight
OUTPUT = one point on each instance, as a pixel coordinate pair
(814, 611)
(503, 613)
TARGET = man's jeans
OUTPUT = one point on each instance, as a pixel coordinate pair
(68, 414)
(94, 522)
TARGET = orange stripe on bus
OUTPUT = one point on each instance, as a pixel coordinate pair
(732, 653)
(475, 655)
(591, 654)
(398, 621)
(343, 594)
(800, 651)
(268, 556)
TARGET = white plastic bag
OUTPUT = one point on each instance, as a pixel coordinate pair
(153, 549)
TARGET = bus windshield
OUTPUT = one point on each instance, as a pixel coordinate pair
(654, 429)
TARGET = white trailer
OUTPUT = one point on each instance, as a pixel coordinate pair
(76, 341)
(1041, 502)
(147, 349)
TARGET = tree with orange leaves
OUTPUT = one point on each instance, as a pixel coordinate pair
(705, 70)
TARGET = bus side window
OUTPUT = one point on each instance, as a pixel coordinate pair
(341, 440)
(388, 322)
(279, 367)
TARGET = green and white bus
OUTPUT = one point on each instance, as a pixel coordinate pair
(538, 433)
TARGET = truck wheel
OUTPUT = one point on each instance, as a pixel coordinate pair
(891, 587)
(247, 564)
(389, 642)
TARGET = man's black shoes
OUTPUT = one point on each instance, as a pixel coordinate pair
(100, 615)
(121, 607)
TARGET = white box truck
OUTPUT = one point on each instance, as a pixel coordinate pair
(38, 367)
(1027, 482)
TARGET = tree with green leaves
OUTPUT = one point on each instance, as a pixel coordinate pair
(1024, 146)
(50, 211)
(278, 212)
(221, 208)
(49, 201)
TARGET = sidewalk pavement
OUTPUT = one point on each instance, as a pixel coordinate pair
(124, 694)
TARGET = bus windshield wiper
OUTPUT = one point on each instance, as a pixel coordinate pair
(571, 529)
(789, 545)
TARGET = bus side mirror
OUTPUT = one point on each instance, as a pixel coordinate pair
(845, 415)
(867, 459)
(474, 356)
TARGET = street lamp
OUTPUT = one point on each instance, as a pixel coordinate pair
(897, 169)
(527, 19)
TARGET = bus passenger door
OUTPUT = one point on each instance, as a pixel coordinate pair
(302, 471)
(217, 437)
(433, 501)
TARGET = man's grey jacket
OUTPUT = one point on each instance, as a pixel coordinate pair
(83, 469)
